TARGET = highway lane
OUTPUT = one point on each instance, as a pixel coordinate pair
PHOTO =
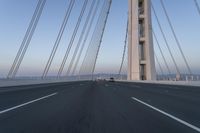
(181, 101)
(11, 96)
(99, 107)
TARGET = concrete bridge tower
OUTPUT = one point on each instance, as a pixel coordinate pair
(141, 63)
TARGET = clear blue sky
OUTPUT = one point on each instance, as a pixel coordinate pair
(15, 17)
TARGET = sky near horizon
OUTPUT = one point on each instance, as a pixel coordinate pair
(15, 17)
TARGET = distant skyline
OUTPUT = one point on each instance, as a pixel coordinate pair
(15, 17)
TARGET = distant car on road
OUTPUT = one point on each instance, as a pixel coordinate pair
(112, 79)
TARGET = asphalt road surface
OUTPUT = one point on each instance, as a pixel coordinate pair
(100, 107)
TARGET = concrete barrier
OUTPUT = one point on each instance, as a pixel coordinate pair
(184, 83)
(19, 82)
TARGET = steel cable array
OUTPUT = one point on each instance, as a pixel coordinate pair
(92, 7)
(165, 39)
(85, 38)
(176, 38)
(72, 39)
(27, 38)
(161, 51)
(159, 64)
(57, 42)
(89, 62)
(24, 40)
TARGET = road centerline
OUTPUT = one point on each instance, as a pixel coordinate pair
(27, 103)
(168, 115)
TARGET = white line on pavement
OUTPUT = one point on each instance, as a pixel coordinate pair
(170, 116)
(135, 86)
(24, 104)
(169, 87)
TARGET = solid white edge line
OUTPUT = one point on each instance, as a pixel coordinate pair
(170, 116)
(24, 104)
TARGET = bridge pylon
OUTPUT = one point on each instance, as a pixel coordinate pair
(141, 63)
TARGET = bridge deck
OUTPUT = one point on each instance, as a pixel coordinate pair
(99, 107)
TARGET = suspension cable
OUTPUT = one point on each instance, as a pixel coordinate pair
(10, 73)
(72, 39)
(124, 51)
(60, 34)
(81, 36)
(159, 64)
(176, 38)
(92, 42)
(165, 39)
(29, 39)
(85, 39)
(103, 30)
(161, 51)
(89, 61)
(197, 6)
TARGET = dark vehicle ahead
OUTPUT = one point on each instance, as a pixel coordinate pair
(112, 79)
